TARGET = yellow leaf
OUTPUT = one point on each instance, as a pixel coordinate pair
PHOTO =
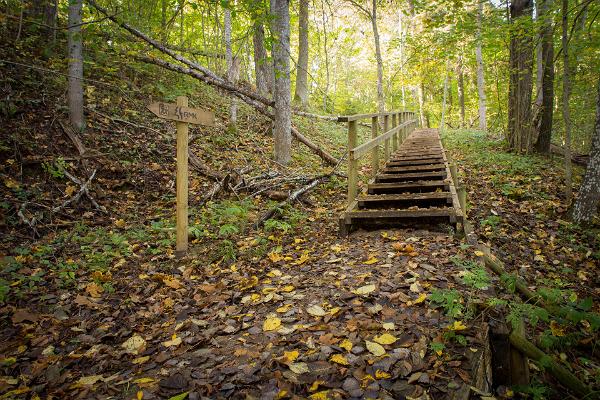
(139, 395)
(291, 356)
(457, 326)
(322, 395)
(134, 345)
(299, 368)
(379, 374)
(271, 324)
(315, 385)
(375, 348)
(11, 183)
(346, 345)
(274, 257)
(364, 290)
(479, 253)
(288, 288)
(422, 297)
(69, 190)
(281, 394)
(140, 360)
(371, 260)
(141, 381)
(285, 308)
(316, 311)
(303, 258)
(386, 338)
(388, 326)
(556, 329)
(336, 248)
(274, 272)
(172, 282)
(94, 289)
(334, 310)
(174, 342)
(339, 359)
(88, 380)
(298, 241)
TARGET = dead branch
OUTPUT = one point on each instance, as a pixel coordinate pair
(83, 190)
(200, 167)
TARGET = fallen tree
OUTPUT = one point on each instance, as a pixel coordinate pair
(195, 70)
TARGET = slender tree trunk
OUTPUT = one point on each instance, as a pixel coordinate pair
(461, 90)
(480, 77)
(326, 52)
(181, 20)
(301, 95)
(163, 21)
(261, 65)
(520, 130)
(229, 61)
(75, 51)
(566, 95)
(442, 122)
(587, 202)
(380, 96)
(282, 95)
(539, 63)
(547, 93)
(421, 96)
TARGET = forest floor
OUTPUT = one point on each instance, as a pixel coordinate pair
(94, 304)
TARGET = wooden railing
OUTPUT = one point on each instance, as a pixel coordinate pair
(403, 123)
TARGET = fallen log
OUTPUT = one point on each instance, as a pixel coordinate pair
(576, 158)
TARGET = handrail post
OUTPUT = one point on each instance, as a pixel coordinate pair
(352, 163)
(375, 151)
(386, 146)
(395, 135)
(402, 132)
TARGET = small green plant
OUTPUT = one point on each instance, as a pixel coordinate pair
(493, 221)
(519, 310)
(55, 169)
(453, 336)
(449, 300)
(437, 347)
(276, 225)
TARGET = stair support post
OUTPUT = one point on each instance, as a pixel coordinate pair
(386, 146)
(395, 135)
(352, 163)
(375, 151)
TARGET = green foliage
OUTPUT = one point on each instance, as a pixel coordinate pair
(492, 221)
(55, 169)
(448, 299)
(474, 275)
(518, 311)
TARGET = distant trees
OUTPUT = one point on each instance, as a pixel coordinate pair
(480, 77)
(75, 53)
(547, 88)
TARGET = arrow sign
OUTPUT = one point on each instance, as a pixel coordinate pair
(183, 114)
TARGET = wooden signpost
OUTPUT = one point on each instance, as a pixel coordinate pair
(184, 116)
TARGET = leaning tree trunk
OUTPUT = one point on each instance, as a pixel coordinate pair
(461, 90)
(301, 95)
(480, 77)
(230, 66)
(380, 96)
(586, 205)
(75, 45)
(520, 130)
(282, 95)
(547, 95)
(261, 65)
(566, 95)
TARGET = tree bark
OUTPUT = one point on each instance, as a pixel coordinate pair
(442, 122)
(480, 77)
(75, 51)
(229, 61)
(566, 95)
(301, 94)
(262, 69)
(421, 97)
(520, 130)
(547, 90)
(587, 202)
(282, 95)
(380, 96)
(461, 90)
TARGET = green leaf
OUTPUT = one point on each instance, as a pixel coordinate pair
(181, 396)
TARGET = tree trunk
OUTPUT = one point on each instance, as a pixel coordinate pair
(75, 51)
(589, 194)
(442, 122)
(421, 97)
(261, 64)
(301, 95)
(480, 77)
(282, 95)
(547, 94)
(380, 97)
(229, 61)
(163, 21)
(326, 53)
(461, 90)
(566, 95)
(520, 130)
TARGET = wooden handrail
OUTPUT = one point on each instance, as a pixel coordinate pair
(391, 139)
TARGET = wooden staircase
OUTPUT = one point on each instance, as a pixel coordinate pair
(414, 189)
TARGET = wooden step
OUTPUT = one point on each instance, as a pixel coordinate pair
(426, 161)
(412, 158)
(414, 168)
(418, 217)
(411, 176)
(411, 187)
(394, 201)
(401, 154)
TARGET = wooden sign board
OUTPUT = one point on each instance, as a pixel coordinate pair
(183, 114)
